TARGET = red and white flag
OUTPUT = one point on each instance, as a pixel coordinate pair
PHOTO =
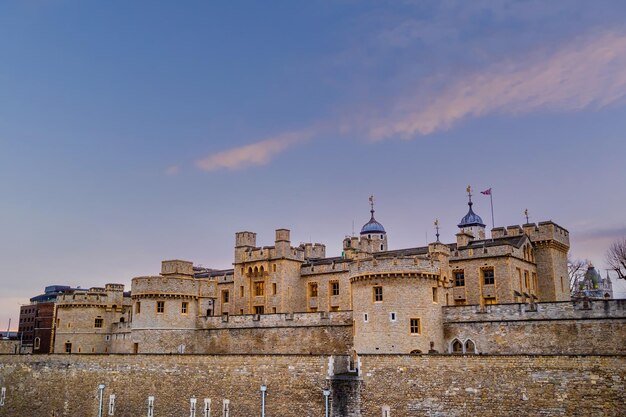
(486, 192)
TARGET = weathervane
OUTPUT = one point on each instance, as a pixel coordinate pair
(526, 215)
(371, 199)
(469, 192)
(437, 229)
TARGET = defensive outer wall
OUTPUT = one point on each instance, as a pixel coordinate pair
(406, 385)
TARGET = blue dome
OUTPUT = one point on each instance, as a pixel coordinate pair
(471, 219)
(372, 226)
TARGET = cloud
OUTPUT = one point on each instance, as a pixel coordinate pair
(585, 74)
(259, 153)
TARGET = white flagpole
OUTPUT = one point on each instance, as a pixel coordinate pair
(493, 223)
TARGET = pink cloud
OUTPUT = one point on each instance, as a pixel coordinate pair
(587, 73)
(258, 153)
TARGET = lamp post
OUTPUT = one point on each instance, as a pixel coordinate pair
(326, 395)
(101, 389)
(263, 390)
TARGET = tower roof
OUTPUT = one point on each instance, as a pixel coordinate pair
(471, 218)
(372, 226)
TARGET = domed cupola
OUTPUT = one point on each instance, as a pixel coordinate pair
(471, 223)
(372, 226)
(373, 235)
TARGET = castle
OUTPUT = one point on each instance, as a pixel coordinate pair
(484, 326)
(294, 299)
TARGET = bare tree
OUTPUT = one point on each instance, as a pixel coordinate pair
(576, 269)
(616, 257)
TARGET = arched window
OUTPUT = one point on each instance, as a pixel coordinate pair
(250, 270)
(416, 352)
(37, 343)
(122, 320)
(456, 346)
(261, 270)
(256, 271)
(470, 347)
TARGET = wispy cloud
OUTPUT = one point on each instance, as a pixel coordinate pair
(259, 153)
(586, 73)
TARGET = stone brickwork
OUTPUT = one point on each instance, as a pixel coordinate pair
(9, 346)
(406, 385)
(473, 385)
(575, 327)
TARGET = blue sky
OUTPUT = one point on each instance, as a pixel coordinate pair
(132, 132)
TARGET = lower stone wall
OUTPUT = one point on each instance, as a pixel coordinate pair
(410, 385)
(67, 385)
(450, 385)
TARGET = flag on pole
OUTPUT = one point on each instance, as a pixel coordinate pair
(486, 192)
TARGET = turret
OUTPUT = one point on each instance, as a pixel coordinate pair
(471, 224)
(373, 234)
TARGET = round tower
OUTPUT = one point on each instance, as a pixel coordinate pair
(396, 304)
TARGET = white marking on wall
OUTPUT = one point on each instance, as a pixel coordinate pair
(112, 404)
(331, 366)
(226, 408)
(207, 407)
(386, 411)
(151, 406)
(3, 395)
(192, 407)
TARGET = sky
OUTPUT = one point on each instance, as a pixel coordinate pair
(133, 132)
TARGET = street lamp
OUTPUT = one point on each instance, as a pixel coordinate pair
(326, 395)
(101, 389)
(263, 390)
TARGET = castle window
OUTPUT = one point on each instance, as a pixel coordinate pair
(392, 316)
(274, 268)
(459, 279)
(470, 347)
(415, 326)
(107, 337)
(378, 294)
(369, 236)
(259, 288)
(241, 291)
(535, 281)
(259, 310)
(98, 323)
(365, 317)
(488, 277)
(435, 299)
(37, 343)
(160, 307)
(273, 288)
(250, 270)
(184, 306)
(68, 347)
(137, 307)
(457, 346)
(334, 288)
(526, 279)
(225, 296)
(261, 270)
(382, 247)
(313, 289)
(381, 236)
(274, 310)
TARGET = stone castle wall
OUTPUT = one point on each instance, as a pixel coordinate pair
(408, 385)
(9, 346)
(474, 385)
(578, 327)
